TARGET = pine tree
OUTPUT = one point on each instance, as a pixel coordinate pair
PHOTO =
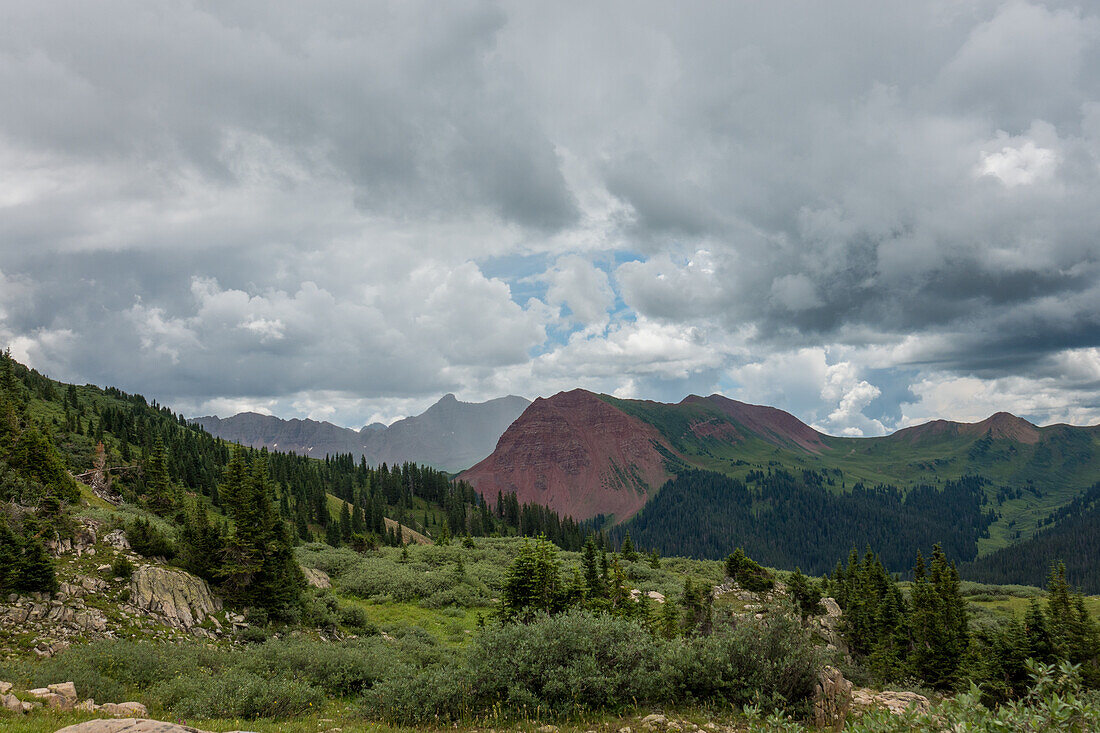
(627, 549)
(805, 594)
(532, 584)
(939, 622)
(33, 569)
(590, 566)
(345, 522)
(157, 481)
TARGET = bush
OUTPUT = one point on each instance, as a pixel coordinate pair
(122, 567)
(773, 663)
(118, 669)
(439, 693)
(236, 693)
(561, 664)
(146, 539)
(354, 619)
(336, 668)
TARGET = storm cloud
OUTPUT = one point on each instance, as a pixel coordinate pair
(869, 213)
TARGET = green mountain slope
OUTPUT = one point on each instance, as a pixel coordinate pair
(1028, 472)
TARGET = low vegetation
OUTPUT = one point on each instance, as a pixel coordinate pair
(484, 627)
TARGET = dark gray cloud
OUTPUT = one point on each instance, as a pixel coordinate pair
(867, 212)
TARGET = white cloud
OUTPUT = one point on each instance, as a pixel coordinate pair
(1020, 165)
(348, 213)
(576, 283)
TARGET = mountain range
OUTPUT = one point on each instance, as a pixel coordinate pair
(598, 457)
(449, 436)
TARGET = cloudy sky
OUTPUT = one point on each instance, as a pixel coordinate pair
(868, 213)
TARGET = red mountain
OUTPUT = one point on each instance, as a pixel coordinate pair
(577, 454)
(769, 423)
(1001, 426)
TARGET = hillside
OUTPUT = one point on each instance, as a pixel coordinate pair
(576, 454)
(1072, 538)
(590, 455)
(449, 436)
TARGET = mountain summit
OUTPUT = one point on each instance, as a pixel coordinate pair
(450, 435)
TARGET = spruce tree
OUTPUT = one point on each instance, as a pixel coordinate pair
(627, 549)
(590, 566)
(157, 481)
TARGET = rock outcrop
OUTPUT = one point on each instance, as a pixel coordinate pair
(316, 578)
(832, 698)
(57, 618)
(175, 597)
(895, 701)
(82, 542)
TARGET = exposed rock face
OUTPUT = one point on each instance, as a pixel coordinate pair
(894, 701)
(578, 455)
(830, 625)
(117, 539)
(832, 698)
(55, 618)
(178, 598)
(83, 540)
(450, 435)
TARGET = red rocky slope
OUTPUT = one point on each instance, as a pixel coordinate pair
(576, 454)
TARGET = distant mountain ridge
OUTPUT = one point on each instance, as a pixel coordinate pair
(586, 455)
(450, 435)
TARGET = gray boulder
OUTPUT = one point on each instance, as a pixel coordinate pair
(179, 598)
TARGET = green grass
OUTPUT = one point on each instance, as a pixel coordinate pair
(451, 626)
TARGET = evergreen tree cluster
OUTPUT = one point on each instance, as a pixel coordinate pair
(535, 585)
(1058, 630)
(1073, 539)
(924, 636)
(788, 520)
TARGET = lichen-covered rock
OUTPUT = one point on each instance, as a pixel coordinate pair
(58, 702)
(5, 687)
(317, 578)
(896, 702)
(124, 709)
(12, 703)
(117, 539)
(832, 698)
(67, 690)
(179, 598)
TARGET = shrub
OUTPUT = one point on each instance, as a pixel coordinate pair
(236, 693)
(253, 635)
(118, 669)
(146, 539)
(354, 619)
(774, 663)
(439, 693)
(748, 573)
(560, 664)
(336, 668)
(122, 567)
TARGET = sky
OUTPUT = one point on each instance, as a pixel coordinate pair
(870, 214)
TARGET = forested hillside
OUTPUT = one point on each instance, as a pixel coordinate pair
(1072, 537)
(225, 513)
(789, 520)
